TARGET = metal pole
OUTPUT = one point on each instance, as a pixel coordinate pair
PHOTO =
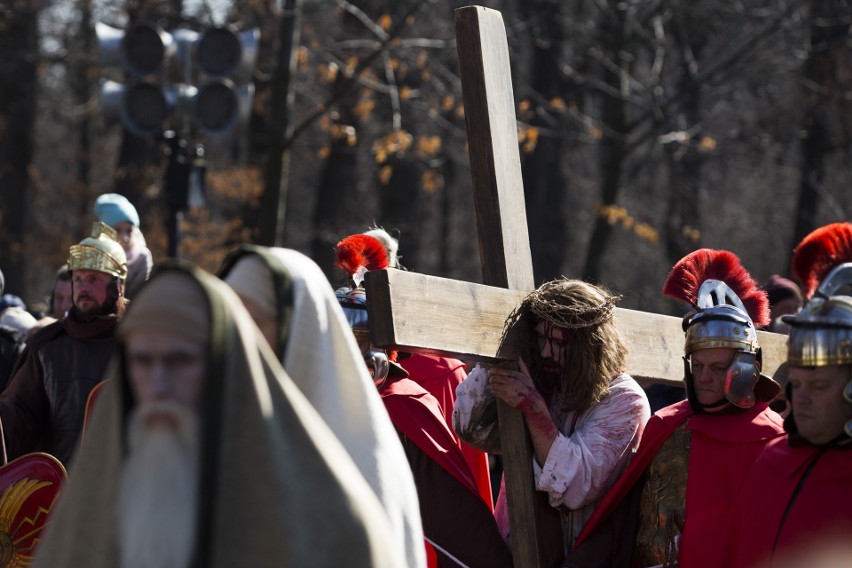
(176, 187)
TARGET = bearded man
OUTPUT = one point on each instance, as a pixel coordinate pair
(203, 453)
(42, 407)
(584, 412)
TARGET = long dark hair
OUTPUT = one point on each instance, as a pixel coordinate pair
(594, 354)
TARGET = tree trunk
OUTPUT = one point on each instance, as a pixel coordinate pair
(545, 186)
(277, 168)
(402, 208)
(824, 66)
(683, 210)
(337, 194)
(82, 79)
(614, 132)
(18, 104)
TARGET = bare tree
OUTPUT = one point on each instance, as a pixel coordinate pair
(18, 99)
(825, 87)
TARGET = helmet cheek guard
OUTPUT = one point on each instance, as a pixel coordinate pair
(741, 378)
(847, 396)
(379, 366)
(740, 382)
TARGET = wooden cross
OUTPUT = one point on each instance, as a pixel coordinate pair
(427, 314)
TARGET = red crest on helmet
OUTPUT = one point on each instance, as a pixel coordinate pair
(820, 252)
(359, 251)
(691, 271)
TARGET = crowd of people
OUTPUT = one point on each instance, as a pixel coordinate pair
(247, 418)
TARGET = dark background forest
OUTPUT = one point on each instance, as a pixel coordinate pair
(646, 130)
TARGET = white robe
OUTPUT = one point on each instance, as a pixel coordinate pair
(325, 362)
(589, 453)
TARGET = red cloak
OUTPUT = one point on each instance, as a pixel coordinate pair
(418, 415)
(795, 499)
(440, 376)
(722, 447)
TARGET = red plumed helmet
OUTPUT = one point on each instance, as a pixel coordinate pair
(687, 276)
(729, 306)
(820, 252)
(357, 254)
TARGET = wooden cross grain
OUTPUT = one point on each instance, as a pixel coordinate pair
(419, 313)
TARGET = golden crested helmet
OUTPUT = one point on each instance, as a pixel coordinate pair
(100, 252)
(821, 334)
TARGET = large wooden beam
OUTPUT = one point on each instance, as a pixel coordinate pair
(420, 313)
(506, 260)
(492, 139)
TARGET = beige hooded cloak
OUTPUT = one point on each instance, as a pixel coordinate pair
(320, 353)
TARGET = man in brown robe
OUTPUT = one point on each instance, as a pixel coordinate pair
(43, 405)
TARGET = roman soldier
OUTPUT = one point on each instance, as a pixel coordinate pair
(667, 508)
(799, 506)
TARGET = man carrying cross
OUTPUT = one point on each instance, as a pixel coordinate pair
(584, 413)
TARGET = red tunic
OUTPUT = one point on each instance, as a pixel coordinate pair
(721, 449)
(818, 513)
(417, 415)
(440, 376)
(453, 513)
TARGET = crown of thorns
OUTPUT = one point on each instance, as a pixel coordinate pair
(565, 315)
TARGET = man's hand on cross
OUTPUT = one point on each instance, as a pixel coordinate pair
(516, 389)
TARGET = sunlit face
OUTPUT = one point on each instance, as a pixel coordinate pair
(266, 322)
(165, 367)
(90, 289)
(124, 230)
(708, 373)
(552, 341)
(819, 408)
(62, 301)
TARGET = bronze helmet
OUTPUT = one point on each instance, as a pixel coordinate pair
(100, 252)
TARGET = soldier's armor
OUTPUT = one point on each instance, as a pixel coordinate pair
(662, 505)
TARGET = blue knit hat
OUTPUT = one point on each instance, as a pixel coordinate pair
(11, 301)
(112, 208)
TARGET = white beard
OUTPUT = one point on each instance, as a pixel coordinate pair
(158, 491)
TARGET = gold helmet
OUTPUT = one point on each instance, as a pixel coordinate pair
(821, 333)
(100, 252)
